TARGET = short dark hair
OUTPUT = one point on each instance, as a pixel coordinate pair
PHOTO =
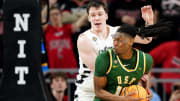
(128, 30)
(97, 4)
(149, 31)
(58, 74)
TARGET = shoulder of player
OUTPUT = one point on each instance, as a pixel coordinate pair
(83, 36)
(148, 57)
(83, 39)
(84, 43)
(104, 54)
(116, 27)
(113, 27)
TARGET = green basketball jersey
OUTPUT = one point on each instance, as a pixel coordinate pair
(121, 73)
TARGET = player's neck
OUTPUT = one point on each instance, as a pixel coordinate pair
(102, 33)
(127, 55)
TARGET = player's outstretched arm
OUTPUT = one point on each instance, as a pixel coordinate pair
(86, 52)
(148, 16)
(141, 40)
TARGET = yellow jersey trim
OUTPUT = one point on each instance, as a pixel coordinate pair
(144, 62)
(130, 70)
(110, 65)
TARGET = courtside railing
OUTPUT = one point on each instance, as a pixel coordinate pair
(154, 70)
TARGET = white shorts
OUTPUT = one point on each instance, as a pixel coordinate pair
(85, 90)
(81, 95)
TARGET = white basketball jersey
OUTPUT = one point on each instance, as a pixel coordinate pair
(85, 77)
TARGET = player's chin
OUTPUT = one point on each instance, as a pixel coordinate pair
(115, 50)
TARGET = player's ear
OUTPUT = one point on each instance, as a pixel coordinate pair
(51, 85)
(106, 16)
(131, 41)
(89, 19)
(65, 86)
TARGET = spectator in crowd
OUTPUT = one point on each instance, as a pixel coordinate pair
(167, 55)
(58, 85)
(58, 38)
(73, 10)
(175, 96)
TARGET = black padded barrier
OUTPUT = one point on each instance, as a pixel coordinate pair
(22, 75)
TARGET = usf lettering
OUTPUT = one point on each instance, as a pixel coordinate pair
(22, 75)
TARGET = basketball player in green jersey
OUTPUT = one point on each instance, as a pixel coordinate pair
(121, 66)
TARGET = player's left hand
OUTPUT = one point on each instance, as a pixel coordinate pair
(145, 78)
(147, 14)
(149, 97)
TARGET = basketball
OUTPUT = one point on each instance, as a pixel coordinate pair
(139, 90)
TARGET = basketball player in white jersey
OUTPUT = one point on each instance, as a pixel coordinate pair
(95, 40)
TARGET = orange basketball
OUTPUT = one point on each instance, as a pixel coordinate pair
(139, 90)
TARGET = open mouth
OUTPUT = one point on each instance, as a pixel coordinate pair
(97, 24)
